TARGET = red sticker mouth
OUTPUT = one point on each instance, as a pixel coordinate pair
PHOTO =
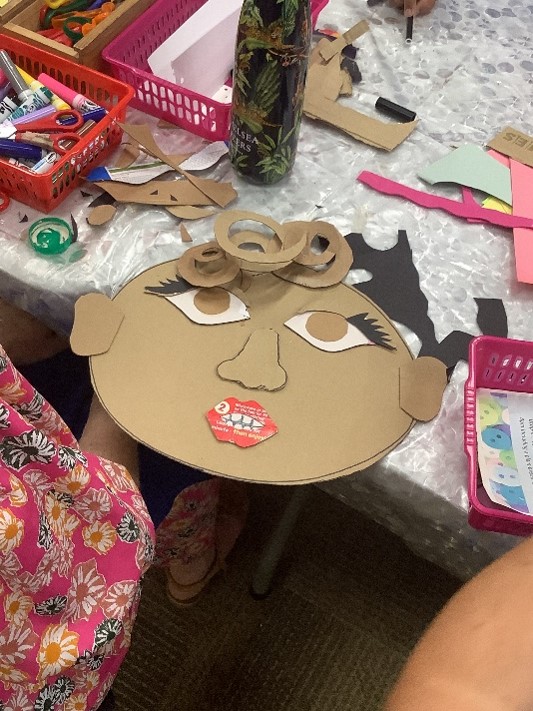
(242, 423)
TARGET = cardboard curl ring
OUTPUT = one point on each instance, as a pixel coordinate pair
(337, 259)
(289, 242)
(207, 265)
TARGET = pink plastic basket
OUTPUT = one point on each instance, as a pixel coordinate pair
(128, 56)
(503, 364)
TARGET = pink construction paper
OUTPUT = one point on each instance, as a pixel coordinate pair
(459, 209)
(522, 187)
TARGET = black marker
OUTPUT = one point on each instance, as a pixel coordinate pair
(395, 111)
(409, 30)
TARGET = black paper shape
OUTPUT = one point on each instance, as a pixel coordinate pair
(103, 199)
(84, 194)
(395, 287)
(74, 229)
(24, 218)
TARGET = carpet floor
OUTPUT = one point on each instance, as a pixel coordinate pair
(348, 604)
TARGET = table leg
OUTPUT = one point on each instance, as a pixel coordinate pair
(273, 550)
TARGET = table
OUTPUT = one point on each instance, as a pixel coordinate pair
(467, 74)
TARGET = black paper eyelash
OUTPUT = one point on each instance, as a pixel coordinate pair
(370, 328)
(170, 287)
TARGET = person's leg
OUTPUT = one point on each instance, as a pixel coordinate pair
(198, 520)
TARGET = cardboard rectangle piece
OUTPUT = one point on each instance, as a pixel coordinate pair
(515, 144)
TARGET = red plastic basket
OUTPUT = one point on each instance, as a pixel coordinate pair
(45, 192)
(503, 364)
(128, 56)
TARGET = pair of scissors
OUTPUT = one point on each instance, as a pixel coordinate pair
(49, 132)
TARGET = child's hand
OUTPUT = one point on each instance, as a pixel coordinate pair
(412, 8)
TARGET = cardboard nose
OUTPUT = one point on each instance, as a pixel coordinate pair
(257, 365)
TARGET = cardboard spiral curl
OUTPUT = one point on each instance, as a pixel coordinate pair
(317, 270)
(207, 265)
(274, 252)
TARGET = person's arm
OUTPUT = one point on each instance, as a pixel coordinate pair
(414, 8)
(477, 655)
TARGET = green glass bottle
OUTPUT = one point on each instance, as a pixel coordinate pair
(271, 57)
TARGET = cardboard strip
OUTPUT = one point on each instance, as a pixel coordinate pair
(157, 192)
(330, 49)
(336, 261)
(515, 144)
(522, 182)
(207, 265)
(459, 209)
(291, 242)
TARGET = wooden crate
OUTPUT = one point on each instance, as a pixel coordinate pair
(24, 25)
(12, 8)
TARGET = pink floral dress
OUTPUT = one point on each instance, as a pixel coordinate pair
(75, 540)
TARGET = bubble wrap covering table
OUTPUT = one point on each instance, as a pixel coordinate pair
(467, 75)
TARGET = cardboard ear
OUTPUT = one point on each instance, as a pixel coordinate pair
(422, 383)
(97, 320)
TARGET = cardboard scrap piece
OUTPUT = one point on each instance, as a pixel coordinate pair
(220, 193)
(184, 232)
(470, 165)
(189, 212)
(325, 83)
(257, 365)
(101, 215)
(329, 49)
(129, 154)
(515, 144)
(156, 192)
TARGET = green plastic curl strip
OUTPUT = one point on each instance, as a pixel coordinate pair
(50, 235)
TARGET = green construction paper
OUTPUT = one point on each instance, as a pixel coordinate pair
(471, 166)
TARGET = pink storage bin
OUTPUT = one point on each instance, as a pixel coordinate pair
(128, 56)
(502, 364)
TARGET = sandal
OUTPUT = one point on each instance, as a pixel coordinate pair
(233, 508)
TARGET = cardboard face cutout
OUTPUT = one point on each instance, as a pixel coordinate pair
(325, 364)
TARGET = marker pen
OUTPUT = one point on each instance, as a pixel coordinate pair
(20, 151)
(7, 106)
(39, 114)
(46, 163)
(77, 101)
(94, 115)
(39, 100)
(35, 85)
(12, 73)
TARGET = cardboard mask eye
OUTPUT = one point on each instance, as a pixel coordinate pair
(210, 307)
(328, 331)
